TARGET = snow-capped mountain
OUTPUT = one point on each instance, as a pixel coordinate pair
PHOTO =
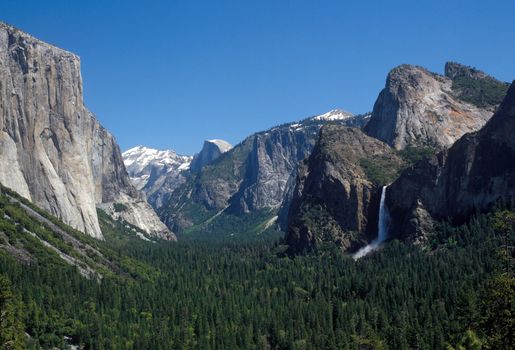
(151, 170)
(143, 162)
(335, 114)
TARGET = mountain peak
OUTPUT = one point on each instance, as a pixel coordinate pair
(454, 70)
(20, 38)
(474, 86)
(410, 75)
(421, 108)
(335, 114)
(144, 162)
(223, 145)
(144, 151)
(211, 150)
(477, 171)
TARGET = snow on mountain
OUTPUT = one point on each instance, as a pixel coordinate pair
(335, 114)
(223, 145)
(146, 165)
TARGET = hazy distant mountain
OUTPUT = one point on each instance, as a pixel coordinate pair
(154, 172)
(143, 164)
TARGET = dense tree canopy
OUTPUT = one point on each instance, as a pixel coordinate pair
(245, 293)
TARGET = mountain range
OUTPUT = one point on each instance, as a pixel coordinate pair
(416, 115)
(156, 173)
(384, 230)
(323, 175)
(249, 178)
(319, 178)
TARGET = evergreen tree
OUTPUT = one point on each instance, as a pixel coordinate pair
(12, 336)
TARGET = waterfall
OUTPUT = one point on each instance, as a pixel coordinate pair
(383, 222)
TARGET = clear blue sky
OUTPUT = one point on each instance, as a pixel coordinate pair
(169, 74)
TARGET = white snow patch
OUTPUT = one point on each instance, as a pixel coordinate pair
(184, 166)
(224, 146)
(296, 126)
(335, 114)
(141, 161)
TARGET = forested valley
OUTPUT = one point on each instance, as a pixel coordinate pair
(455, 292)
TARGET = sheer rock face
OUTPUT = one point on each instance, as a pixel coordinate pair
(251, 176)
(270, 161)
(334, 198)
(52, 150)
(211, 150)
(420, 108)
(472, 175)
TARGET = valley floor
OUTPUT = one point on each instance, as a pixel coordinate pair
(247, 294)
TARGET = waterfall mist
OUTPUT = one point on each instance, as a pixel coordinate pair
(383, 222)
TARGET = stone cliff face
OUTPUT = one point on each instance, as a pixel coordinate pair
(250, 177)
(52, 150)
(335, 195)
(211, 150)
(472, 175)
(420, 108)
(271, 159)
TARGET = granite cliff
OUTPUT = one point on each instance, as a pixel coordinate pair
(250, 177)
(336, 191)
(52, 149)
(419, 108)
(477, 171)
(211, 150)
(334, 195)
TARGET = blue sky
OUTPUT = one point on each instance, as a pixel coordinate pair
(169, 74)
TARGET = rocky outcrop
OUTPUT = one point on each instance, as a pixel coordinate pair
(270, 161)
(455, 70)
(336, 192)
(211, 150)
(250, 177)
(420, 108)
(52, 149)
(477, 171)
(156, 173)
(474, 86)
